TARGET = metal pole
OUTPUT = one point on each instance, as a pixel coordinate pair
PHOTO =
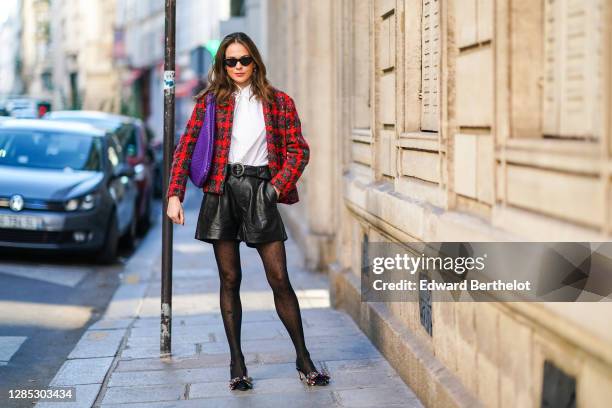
(166, 283)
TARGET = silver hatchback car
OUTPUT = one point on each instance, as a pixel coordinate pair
(64, 186)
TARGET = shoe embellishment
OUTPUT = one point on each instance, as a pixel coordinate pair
(314, 377)
(242, 383)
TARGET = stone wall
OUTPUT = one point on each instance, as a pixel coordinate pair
(458, 120)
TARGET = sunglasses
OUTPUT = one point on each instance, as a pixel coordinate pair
(245, 61)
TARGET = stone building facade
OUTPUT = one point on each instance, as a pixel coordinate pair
(34, 41)
(457, 120)
(84, 76)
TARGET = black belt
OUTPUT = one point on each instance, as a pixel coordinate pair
(239, 169)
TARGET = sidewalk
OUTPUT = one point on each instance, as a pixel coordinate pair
(116, 363)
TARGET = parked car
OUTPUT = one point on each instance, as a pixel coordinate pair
(133, 142)
(157, 147)
(65, 186)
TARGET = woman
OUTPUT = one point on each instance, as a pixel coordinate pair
(259, 154)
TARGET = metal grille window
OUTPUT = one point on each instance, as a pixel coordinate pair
(425, 306)
(558, 388)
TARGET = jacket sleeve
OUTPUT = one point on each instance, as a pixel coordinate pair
(298, 153)
(184, 150)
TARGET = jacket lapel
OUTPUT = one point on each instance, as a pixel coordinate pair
(272, 150)
(225, 121)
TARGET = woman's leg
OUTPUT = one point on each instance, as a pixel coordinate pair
(227, 255)
(275, 264)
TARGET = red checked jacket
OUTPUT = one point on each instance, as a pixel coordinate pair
(288, 151)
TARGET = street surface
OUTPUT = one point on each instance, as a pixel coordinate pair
(47, 302)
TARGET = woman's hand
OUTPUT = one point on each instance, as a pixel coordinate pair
(276, 189)
(175, 210)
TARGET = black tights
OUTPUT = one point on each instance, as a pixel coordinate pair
(274, 260)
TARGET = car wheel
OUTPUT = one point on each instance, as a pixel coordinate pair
(108, 253)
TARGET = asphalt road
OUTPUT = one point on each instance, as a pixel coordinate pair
(46, 303)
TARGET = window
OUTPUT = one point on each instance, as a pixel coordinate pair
(361, 65)
(572, 68)
(237, 8)
(430, 65)
(50, 150)
(128, 139)
(115, 152)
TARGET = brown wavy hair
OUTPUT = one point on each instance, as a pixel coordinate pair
(220, 83)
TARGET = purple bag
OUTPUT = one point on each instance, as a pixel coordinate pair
(202, 153)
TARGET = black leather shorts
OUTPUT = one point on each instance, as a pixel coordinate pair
(246, 211)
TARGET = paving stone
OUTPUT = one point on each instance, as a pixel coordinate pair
(320, 355)
(254, 316)
(98, 343)
(232, 402)
(180, 320)
(318, 331)
(274, 370)
(177, 338)
(82, 371)
(215, 389)
(126, 301)
(85, 395)
(359, 365)
(314, 343)
(200, 361)
(124, 395)
(194, 273)
(201, 333)
(168, 377)
(379, 397)
(260, 386)
(343, 380)
(300, 399)
(106, 324)
(178, 350)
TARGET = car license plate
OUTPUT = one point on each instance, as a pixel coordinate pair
(26, 222)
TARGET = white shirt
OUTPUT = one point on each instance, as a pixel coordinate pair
(248, 145)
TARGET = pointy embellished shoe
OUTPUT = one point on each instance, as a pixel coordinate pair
(241, 383)
(314, 377)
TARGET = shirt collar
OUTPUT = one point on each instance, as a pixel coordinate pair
(243, 92)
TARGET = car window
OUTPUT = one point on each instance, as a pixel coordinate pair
(51, 150)
(115, 152)
(128, 138)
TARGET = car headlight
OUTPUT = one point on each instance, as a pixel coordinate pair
(87, 202)
(72, 205)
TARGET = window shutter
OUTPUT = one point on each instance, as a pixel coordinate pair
(573, 68)
(552, 67)
(430, 63)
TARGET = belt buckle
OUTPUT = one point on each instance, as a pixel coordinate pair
(237, 165)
